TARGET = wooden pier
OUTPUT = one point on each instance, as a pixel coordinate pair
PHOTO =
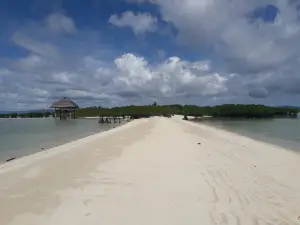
(113, 119)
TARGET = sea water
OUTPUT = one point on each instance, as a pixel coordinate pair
(21, 137)
(284, 132)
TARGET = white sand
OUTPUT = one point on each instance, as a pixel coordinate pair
(153, 172)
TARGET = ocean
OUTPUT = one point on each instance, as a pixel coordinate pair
(21, 137)
(284, 132)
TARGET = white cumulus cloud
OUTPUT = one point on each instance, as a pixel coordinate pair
(243, 57)
(170, 78)
(140, 23)
(230, 30)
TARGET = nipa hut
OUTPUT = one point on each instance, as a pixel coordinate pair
(65, 108)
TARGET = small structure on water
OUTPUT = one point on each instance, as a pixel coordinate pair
(113, 119)
(65, 108)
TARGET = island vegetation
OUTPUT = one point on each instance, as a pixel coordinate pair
(26, 115)
(135, 112)
(229, 111)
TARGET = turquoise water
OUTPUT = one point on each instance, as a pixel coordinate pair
(284, 132)
(20, 137)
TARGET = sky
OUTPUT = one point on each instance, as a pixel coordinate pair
(130, 52)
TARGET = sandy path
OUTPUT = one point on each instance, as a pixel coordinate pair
(154, 172)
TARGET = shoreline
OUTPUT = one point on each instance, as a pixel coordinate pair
(286, 144)
(240, 136)
(216, 128)
(42, 146)
(56, 149)
(148, 169)
(177, 118)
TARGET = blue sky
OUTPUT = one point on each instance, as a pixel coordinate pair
(117, 52)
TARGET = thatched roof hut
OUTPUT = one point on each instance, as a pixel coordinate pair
(64, 103)
(64, 106)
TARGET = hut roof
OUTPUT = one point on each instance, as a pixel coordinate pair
(64, 103)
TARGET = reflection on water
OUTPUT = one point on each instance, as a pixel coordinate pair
(284, 132)
(19, 137)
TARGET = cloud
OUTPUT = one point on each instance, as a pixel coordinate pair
(4, 71)
(171, 78)
(37, 36)
(63, 77)
(59, 23)
(236, 31)
(245, 55)
(258, 93)
(32, 62)
(129, 77)
(35, 46)
(140, 23)
(252, 44)
(140, 1)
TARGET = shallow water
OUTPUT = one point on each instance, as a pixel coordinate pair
(284, 132)
(20, 137)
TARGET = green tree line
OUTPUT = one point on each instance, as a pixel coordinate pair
(26, 115)
(135, 112)
(231, 111)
